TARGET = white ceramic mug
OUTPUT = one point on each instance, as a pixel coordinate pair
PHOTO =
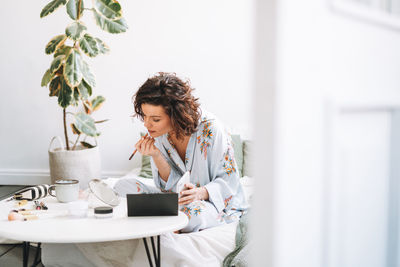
(65, 190)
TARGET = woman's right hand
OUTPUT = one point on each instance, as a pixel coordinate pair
(145, 146)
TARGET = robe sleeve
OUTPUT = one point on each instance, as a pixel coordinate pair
(174, 174)
(224, 174)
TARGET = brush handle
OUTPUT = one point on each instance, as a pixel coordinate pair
(134, 152)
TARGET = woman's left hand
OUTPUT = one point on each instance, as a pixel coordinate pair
(192, 193)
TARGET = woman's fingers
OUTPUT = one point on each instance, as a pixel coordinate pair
(187, 196)
(186, 200)
(144, 145)
(189, 186)
(138, 145)
(187, 192)
(150, 147)
(149, 144)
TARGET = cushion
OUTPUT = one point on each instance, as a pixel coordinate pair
(238, 149)
(145, 170)
(247, 159)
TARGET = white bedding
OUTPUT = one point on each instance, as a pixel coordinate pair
(206, 248)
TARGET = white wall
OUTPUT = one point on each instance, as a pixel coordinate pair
(209, 42)
(321, 55)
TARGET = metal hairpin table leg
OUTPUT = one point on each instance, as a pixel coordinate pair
(36, 261)
(159, 251)
(156, 254)
(25, 253)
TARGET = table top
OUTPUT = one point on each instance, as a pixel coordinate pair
(65, 228)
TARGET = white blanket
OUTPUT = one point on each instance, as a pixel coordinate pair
(206, 248)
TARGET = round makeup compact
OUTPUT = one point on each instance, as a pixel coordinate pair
(104, 193)
(103, 212)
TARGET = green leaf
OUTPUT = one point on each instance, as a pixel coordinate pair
(62, 50)
(85, 124)
(97, 102)
(88, 106)
(60, 71)
(55, 86)
(88, 75)
(65, 95)
(73, 68)
(84, 90)
(51, 7)
(110, 9)
(75, 30)
(74, 129)
(89, 45)
(76, 94)
(46, 78)
(54, 43)
(56, 64)
(87, 145)
(72, 9)
(111, 26)
(101, 46)
(75, 99)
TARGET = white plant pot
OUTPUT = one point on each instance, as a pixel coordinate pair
(82, 164)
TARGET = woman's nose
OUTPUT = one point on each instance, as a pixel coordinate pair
(147, 124)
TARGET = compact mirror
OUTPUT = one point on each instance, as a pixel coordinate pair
(104, 193)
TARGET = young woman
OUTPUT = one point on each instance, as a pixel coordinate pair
(183, 139)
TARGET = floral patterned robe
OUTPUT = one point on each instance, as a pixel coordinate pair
(210, 160)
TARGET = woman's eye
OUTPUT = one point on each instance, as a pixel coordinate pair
(156, 120)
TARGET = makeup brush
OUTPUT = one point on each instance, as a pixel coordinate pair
(27, 215)
(134, 152)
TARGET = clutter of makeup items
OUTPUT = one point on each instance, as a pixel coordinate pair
(63, 198)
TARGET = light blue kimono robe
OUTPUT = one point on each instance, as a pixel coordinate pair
(210, 160)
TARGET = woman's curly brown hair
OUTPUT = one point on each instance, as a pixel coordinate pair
(175, 95)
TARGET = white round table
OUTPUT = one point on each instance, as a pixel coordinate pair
(67, 229)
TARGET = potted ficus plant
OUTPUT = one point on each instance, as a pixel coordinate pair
(70, 79)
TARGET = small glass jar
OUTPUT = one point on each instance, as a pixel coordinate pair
(103, 212)
(78, 209)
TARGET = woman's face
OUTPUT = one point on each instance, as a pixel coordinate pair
(156, 120)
